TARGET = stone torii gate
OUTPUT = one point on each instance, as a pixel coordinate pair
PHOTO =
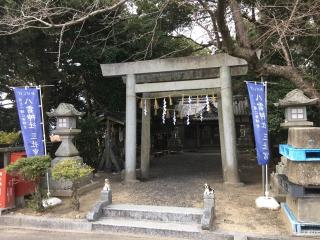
(196, 75)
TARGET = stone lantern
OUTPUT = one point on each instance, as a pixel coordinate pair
(66, 116)
(295, 103)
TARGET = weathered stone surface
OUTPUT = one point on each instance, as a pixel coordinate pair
(276, 191)
(281, 167)
(154, 213)
(65, 110)
(296, 124)
(296, 97)
(304, 137)
(304, 173)
(106, 196)
(305, 209)
(208, 212)
(97, 211)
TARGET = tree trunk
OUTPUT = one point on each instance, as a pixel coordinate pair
(75, 197)
(38, 198)
(288, 72)
(292, 74)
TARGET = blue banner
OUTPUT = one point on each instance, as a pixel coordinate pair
(257, 95)
(29, 111)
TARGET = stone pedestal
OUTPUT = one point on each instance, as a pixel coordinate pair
(305, 209)
(208, 212)
(304, 173)
(306, 137)
(63, 188)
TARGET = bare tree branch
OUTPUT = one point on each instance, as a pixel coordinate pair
(39, 14)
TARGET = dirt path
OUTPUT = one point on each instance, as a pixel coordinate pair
(177, 180)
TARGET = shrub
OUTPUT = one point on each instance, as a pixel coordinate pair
(31, 169)
(71, 170)
(9, 137)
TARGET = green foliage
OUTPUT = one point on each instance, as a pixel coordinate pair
(30, 168)
(9, 137)
(70, 170)
(89, 141)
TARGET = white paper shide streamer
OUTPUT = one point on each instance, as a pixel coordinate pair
(145, 107)
(164, 108)
(174, 119)
(189, 110)
(207, 103)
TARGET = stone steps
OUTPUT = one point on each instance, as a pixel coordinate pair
(150, 220)
(167, 229)
(154, 213)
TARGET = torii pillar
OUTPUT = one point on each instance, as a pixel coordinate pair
(229, 144)
(131, 129)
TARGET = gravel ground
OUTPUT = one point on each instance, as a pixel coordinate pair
(177, 180)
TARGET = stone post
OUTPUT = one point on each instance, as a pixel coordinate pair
(106, 196)
(97, 210)
(145, 141)
(131, 128)
(208, 211)
(231, 166)
(222, 146)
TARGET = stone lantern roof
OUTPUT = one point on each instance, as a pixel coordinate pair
(295, 98)
(65, 110)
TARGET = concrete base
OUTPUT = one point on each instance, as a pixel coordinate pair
(63, 188)
(296, 124)
(305, 137)
(304, 173)
(67, 192)
(305, 209)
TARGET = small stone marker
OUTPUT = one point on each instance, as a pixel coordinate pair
(106, 193)
(208, 211)
(105, 199)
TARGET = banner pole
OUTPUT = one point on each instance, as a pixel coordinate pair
(263, 168)
(44, 139)
(266, 177)
(42, 117)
